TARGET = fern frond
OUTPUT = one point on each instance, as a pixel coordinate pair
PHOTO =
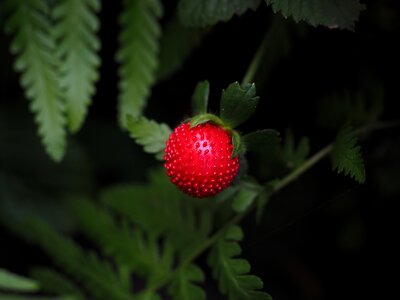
(176, 45)
(138, 55)
(183, 285)
(231, 272)
(169, 213)
(35, 48)
(53, 282)
(150, 134)
(346, 155)
(130, 248)
(98, 277)
(76, 29)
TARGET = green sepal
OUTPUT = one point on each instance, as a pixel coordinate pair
(238, 103)
(204, 118)
(200, 97)
(261, 140)
(238, 147)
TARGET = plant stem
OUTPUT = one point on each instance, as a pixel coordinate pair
(292, 176)
(254, 64)
(303, 168)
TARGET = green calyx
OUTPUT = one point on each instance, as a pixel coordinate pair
(238, 147)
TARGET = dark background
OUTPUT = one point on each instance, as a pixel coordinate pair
(323, 237)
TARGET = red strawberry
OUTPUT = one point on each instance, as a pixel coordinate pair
(198, 160)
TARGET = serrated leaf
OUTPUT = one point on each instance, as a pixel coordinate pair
(203, 13)
(333, 14)
(169, 212)
(232, 272)
(238, 103)
(97, 276)
(76, 27)
(137, 55)
(35, 48)
(261, 140)
(183, 285)
(176, 45)
(150, 134)
(200, 97)
(346, 155)
(17, 283)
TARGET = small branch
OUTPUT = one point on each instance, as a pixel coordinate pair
(303, 168)
(255, 63)
(292, 176)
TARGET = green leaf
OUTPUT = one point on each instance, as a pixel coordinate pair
(238, 103)
(203, 13)
(200, 98)
(130, 248)
(150, 134)
(183, 285)
(53, 282)
(261, 140)
(333, 14)
(346, 155)
(13, 282)
(358, 108)
(76, 27)
(294, 156)
(232, 272)
(184, 220)
(35, 49)
(176, 45)
(248, 192)
(137, 55)
(97, 276)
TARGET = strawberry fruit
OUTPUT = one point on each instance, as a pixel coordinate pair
(199, 160)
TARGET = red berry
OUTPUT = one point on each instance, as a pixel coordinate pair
(198, 160)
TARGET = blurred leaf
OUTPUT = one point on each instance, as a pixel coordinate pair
(261, 140)
(244, 198)
(357, 108)
(292, 155)
(238, 103)
(13, 282)
(131, 248)
(200, 97)
(334, 14)
(53, 282)
(176, 45)
(346, 155)
(185, 221)
(201, 13)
